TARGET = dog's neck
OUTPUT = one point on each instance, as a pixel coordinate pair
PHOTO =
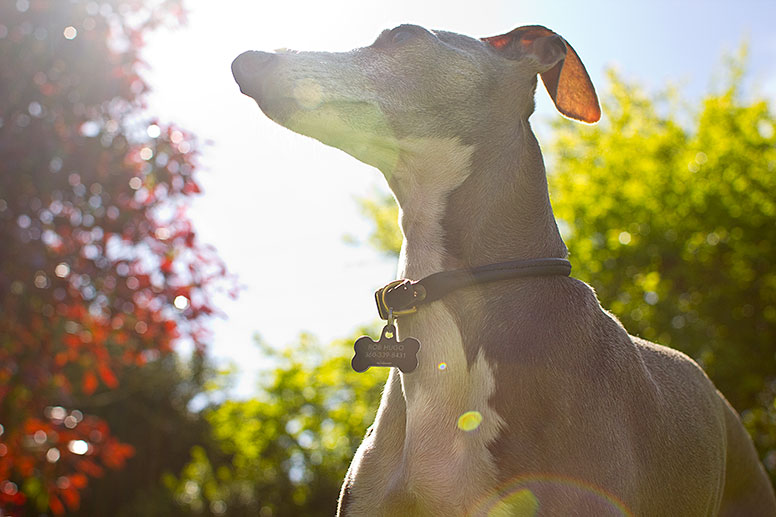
(468, 205)
(461, 205)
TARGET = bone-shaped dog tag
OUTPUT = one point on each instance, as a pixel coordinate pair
(386, 352)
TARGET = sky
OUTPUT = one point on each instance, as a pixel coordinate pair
(277, 206)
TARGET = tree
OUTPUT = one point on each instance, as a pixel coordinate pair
(286, 451)
(383, 212)
(151, 410)
(100, 268)
(675, 227)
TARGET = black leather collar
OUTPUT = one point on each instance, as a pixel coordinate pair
(403, 296)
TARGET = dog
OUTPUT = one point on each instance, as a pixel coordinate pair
(545, 405)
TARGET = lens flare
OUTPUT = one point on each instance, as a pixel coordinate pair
(522, 503)
(469, 421)
(442, 366)
(524, 495)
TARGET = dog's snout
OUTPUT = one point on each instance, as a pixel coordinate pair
(249, 65)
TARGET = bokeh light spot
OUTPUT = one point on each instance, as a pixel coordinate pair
(70, 422)
(522, 503)
(41, 280)
(40, 437)
(90, 128)
(181, 302)
(153, 131)
(70, 32)
(766, 129)
(35, 109)
(469, 421)
(52, 455)
(62, 270)
(133, 283)
(9, 488)
(79, 447)
(57, 413)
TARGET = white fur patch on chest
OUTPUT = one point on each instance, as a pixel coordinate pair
(446, 462)
(435, 460)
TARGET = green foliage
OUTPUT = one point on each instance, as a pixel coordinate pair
(286, 451)
(383, 212)
(675, 229)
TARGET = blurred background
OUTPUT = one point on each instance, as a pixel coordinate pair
(160, 351)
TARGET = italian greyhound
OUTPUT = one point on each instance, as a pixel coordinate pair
(528, 397)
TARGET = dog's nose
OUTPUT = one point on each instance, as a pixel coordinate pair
(250, 64)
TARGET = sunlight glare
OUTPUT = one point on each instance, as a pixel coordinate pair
(469, 421)
(79, 447)
(181, 302)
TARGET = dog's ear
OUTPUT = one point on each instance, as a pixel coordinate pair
(562, 72)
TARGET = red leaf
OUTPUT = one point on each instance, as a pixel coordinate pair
(71, 497)
(72, 340)
(121, 337)
(107, 376)
(79, 481)
(90, 468)
(89, 383)
(56, 505)
(191, 187)
(60, 359)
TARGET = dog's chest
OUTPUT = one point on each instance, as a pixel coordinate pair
(436, 461)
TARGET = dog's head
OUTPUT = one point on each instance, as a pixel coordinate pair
(377, 102)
